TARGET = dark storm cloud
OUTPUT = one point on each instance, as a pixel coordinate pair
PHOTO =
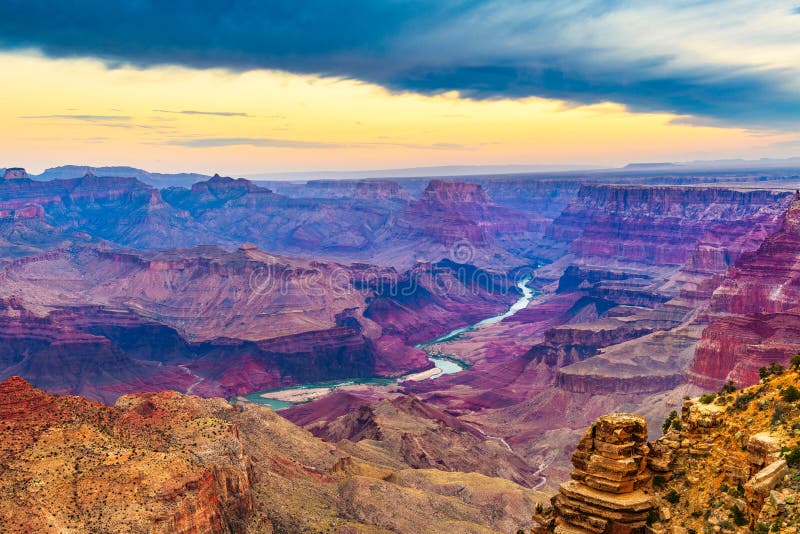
(583, 51)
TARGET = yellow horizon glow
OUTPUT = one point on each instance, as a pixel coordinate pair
(340, 124)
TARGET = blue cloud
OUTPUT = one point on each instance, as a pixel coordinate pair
(676, 56)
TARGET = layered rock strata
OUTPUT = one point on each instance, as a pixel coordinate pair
(606, 492)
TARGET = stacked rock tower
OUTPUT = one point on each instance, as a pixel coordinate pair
(608, 490)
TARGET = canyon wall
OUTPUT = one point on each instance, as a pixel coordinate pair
(753, 314)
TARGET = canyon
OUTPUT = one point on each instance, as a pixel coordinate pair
(645, 290)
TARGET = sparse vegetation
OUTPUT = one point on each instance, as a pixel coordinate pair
(738, 516)
(790, 394)
(673, 416)
(743, 401)
(672, 497)
(707, 398)
(792, 457)
(652, 517)
(774, 369)
(777, 415)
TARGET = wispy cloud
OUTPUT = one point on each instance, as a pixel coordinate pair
(213, 142)
(198, 112)
(85, 118)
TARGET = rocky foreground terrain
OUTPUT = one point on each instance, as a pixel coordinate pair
(167, 462)
(728, 462)
(173, 463)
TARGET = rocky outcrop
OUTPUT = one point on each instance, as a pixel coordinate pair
(729, 462)
(441, 192)
(726, 463)
(121, 468)
(15, 173)
(567, 344)
(606, 491)
(167, 463)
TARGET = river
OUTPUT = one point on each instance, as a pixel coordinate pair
(285, 397)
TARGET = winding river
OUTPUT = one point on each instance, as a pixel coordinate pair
(288, 396)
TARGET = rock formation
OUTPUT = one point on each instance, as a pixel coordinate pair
(15, 173)
(166, 462)
(726, 463)
(606, 492)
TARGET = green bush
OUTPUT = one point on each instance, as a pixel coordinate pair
(793, 457)
(738, 516)
(652, 517)
(728, 388)
(790, 394)
(795, 362)
(743, 401)
(673, 415)
(707, 398)
(672, 497)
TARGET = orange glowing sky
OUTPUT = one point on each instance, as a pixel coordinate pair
(172, 119)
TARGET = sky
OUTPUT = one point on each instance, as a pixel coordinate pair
(242, 87)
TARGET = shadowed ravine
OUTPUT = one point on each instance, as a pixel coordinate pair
(444, 364)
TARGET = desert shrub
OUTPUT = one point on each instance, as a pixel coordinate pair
(726, 525)
(793, 457)
(676, 424)
(738, 516)
(707, 398)
(737, 492)
(672, 497)
(673, 415)
(728, 388)
(795, 362)
(777, 415)
(790, 394)
(743, 401)
(652, 517)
